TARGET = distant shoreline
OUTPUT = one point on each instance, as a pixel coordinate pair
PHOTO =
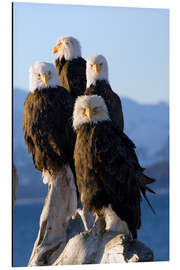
(29, 201)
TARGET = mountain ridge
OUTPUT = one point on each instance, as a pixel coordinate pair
(147, 125)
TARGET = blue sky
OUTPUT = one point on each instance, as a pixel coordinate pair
(135, 42)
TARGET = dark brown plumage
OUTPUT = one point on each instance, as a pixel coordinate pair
(72, 74)
(47, 126)
(102, 88)
(108, 172)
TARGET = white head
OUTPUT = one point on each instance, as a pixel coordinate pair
(43, 75)
(89, 109)
(68, 47)
(96, 69)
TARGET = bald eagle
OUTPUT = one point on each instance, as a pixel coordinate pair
(98, 84)
(109, 177)
(47, 122)
(70, 66)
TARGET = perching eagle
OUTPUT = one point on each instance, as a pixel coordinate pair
(70, 66)
(98, 84)
(109, 177)
(47, 122)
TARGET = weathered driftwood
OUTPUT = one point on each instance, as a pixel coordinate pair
(102, 247)
(60, 204)
(15, 184)
(96, 246)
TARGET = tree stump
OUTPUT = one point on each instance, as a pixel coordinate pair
(60, 204)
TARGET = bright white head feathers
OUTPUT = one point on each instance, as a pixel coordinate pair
(96, 69)
(43, 75)
(69, 47)
(89, 109)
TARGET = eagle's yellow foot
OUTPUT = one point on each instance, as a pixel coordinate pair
(86, 218)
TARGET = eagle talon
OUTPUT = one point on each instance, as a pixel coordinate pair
(80, 213)
(76, 215)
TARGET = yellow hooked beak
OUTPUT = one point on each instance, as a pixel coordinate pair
(88, 112)
(44, 79)
(56, 49)
(96, 68)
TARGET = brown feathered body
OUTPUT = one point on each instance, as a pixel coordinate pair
(108, 172)
(72, 75)
(47, 126)
(102, 88)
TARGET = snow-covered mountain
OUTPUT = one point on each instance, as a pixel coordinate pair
(146, 125)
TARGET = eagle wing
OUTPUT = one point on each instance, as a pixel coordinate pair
(119, 172)
(47, 127)
(116, 112)
(112, 100)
